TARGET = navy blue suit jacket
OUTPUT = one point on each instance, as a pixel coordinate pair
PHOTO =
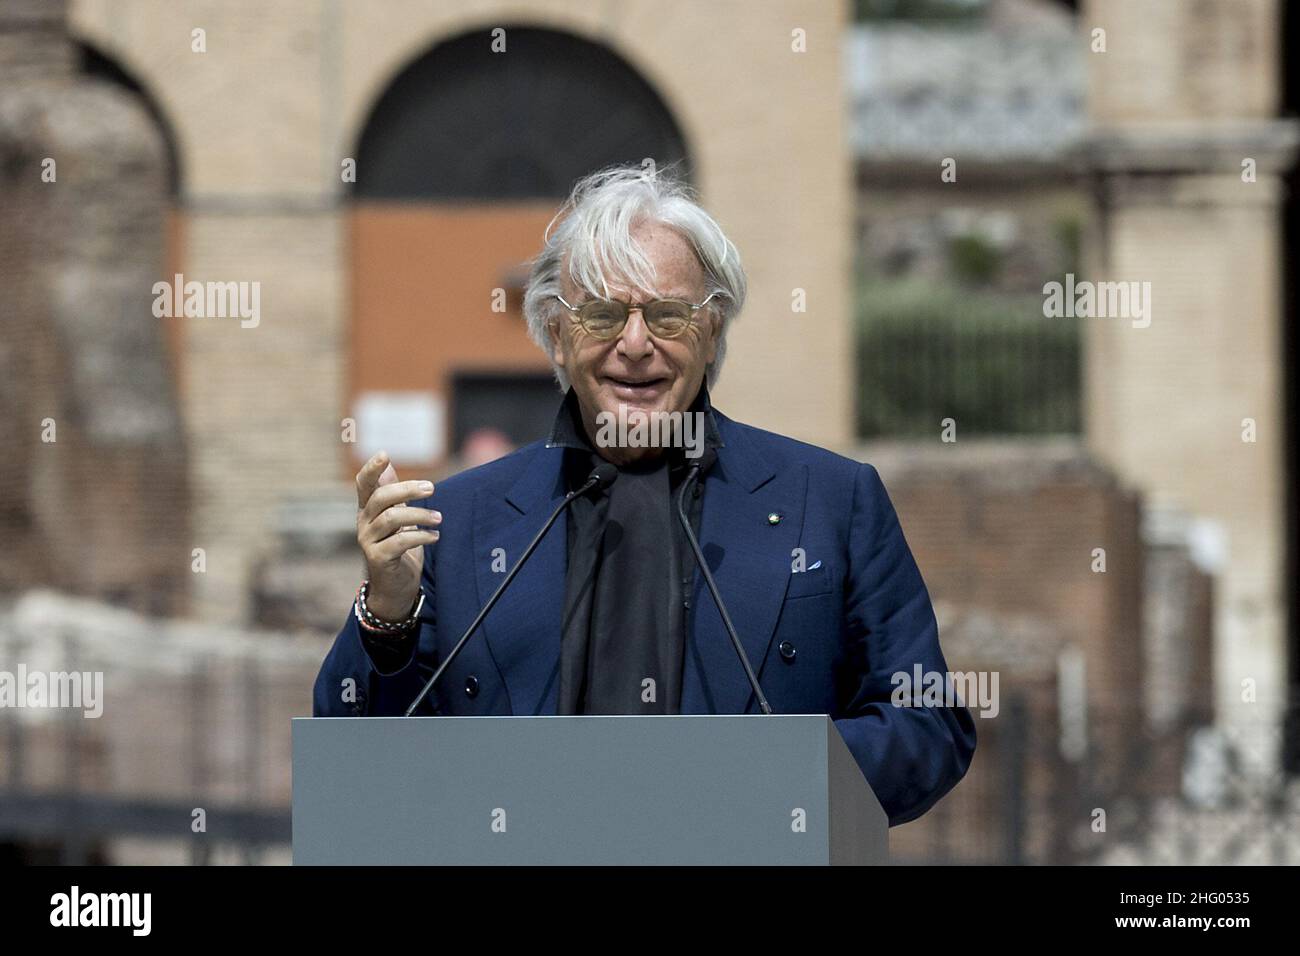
(859, 613)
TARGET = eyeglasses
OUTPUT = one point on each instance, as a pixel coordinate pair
(665, 318)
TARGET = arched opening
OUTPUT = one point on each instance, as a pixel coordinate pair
(96, 64)
(459, 168)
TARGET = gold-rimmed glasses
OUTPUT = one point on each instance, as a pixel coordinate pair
(665, 318)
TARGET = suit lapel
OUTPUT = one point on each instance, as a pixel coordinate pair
(750, 557)
(523, 630)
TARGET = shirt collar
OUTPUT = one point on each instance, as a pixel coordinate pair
(568, 430)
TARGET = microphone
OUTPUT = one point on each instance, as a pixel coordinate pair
(690, 479)
(602, 476)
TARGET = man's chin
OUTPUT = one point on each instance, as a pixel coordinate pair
(623, 402)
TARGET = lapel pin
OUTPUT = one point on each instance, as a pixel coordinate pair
(774, 518)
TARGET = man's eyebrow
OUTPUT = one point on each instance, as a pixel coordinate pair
(673, 294)
(585, 295)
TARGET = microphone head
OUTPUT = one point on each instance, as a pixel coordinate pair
(604, 475)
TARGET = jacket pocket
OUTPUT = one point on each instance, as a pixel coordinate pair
(809, 583)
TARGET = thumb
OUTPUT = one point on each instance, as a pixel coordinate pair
(388, 476)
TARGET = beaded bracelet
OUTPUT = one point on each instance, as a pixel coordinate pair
(367, 620)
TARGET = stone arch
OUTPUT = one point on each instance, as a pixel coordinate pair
(97, 64)
(461, 162)
(88, 406)
(532, 134)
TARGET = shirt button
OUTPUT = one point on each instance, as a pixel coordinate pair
(471, 686)
(787, 651)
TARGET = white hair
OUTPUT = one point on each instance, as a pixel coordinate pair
(595, 233)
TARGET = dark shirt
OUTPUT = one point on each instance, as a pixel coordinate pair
(629, 566)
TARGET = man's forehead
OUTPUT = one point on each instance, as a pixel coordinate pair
(638, 294)
(671, 284)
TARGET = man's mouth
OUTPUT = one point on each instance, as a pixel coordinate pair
(635, 387)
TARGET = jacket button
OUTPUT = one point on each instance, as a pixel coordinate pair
(787, 651)
(471, 686)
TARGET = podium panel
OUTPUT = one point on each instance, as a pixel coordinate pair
(689, 789)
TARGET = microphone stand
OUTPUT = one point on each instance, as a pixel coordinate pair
(690, 479)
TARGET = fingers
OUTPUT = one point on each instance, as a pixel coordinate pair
(368, 477)
(394, 519)
(397, 493)
(394, 546)
(386, 527)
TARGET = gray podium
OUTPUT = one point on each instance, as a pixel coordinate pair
(580, 790)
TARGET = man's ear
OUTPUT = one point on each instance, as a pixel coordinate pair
(557, 347)
(715, 335)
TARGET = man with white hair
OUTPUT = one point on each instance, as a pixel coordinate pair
(631, 298)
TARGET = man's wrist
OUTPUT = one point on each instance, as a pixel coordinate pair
(379, 626)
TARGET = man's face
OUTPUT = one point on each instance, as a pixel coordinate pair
(637, 370)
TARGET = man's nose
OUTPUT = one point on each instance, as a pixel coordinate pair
(634, 341)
